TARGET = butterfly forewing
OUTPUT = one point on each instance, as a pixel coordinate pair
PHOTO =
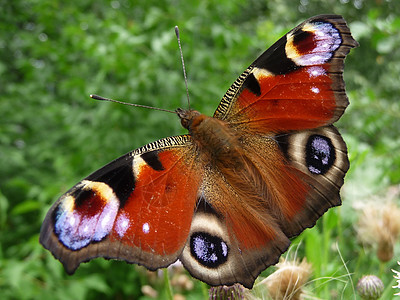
(138, 208)
(296, 84)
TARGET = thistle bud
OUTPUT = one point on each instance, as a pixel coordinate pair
(289, 279)
(379, 226)
(223, 292)
(370, 287)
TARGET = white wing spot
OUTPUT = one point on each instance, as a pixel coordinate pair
(72, 220)
(315, 90)
(122, 224)
(146, 228)
(105, 221)
(316, 71)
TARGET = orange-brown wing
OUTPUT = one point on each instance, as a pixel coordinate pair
(303, 172)
(296, 84)
(137, 208)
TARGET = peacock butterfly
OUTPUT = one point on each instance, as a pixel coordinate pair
(225, 198)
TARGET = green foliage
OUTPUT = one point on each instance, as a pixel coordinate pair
(53, 54)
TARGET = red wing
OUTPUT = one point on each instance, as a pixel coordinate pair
(296, 84)
(137, 208)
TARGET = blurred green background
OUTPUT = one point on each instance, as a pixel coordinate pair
(53, 54)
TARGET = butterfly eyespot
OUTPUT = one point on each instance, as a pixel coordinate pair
(320, 154)
(210, 251)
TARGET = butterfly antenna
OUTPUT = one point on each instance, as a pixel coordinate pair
(183, 64)
(97, 97)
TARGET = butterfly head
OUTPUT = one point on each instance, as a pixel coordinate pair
(187, 116)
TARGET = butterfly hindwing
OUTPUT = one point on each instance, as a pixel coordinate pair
(321, 157)
(137, 208)
(230, 240)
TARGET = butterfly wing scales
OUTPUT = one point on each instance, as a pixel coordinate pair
(137, 208)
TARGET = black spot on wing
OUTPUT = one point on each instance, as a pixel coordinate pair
(300, 35)
(118, 175)
(320, 155)
(304, 41)
(153, 160)
(209, 250)
(275, 60)
(81, 195)
(251, 83)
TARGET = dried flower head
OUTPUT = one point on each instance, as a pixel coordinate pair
(182, 282)
(379, 226)
(370, 287)
(397, 277)
(223, 292)
(150, 292)
(288, 280)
